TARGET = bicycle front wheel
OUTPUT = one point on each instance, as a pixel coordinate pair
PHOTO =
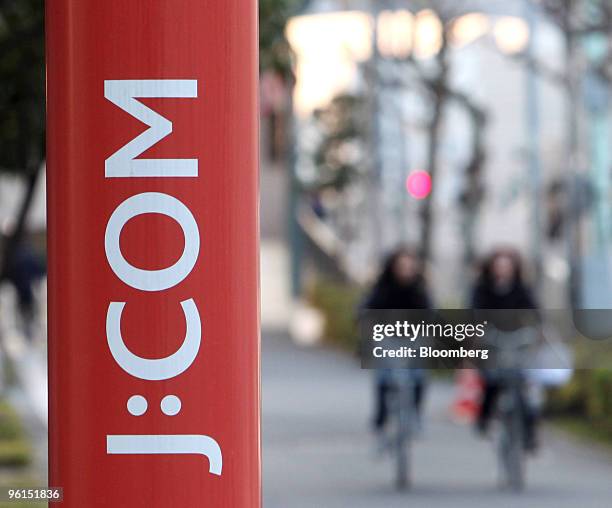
(402, 448)
(511, 453)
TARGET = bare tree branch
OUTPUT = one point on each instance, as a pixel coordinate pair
(552, 75)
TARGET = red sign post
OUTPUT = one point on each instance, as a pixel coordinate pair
(152, 206)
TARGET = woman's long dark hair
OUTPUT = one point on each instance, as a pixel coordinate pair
(486, 278)
(390, 293)
(387, 276)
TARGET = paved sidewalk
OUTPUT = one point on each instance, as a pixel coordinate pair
(318, 451)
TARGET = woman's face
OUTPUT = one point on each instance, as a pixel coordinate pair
(405, 268)
(503, 269)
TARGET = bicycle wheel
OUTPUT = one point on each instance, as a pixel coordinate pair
(511, 451)
(516, 480)
(402, 444)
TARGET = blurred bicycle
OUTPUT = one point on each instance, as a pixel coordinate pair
(403, 421)
(514, 403)
(398, 390)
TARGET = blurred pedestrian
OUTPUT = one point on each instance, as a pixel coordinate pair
(501, 285)
(400, 285)
(25, 268)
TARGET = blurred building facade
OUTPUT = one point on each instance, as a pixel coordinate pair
(526, 170)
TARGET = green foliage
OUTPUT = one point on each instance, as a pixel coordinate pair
(15, 453)
(339, 157)
(274, 51)
(338, 303)
(22, 94)
(9, 423)
(587, 399)
(14, 446)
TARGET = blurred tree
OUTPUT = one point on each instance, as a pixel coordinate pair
(576, 20)
(436, 82)
(274, 50)
(22, 104)
(472, 192)
(585, 79)
(339, 156)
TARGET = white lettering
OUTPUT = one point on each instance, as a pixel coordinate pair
(123, 93)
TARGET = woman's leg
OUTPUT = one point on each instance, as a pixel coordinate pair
(490, 392)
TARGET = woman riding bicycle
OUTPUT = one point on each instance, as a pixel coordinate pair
(401, 285)
(501, 286)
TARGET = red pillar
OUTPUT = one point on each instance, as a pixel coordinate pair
(153, 282)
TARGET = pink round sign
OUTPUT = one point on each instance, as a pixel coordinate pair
(418, 184)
